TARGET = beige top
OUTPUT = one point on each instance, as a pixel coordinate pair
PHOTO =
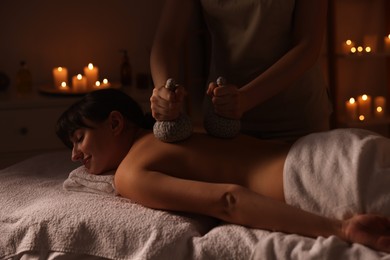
(248, 36)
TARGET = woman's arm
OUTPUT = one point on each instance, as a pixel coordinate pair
(309, 25)
(165, 57)
(238, 205)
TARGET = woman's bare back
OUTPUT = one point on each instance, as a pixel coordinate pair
(255, 164)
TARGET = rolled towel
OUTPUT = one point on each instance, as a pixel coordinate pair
(80, 180)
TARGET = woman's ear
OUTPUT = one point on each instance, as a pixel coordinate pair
(116, 122)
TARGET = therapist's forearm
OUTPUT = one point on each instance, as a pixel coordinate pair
(169, 40)
(279, 76)
(309, 24)
(164, 64)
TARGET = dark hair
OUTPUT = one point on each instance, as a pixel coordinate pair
(97, 106)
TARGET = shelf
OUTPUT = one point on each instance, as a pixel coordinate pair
(365, 123)
(364, 55)
(353, 74)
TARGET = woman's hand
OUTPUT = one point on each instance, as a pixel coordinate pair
(165, 104)
(226, 100)
(368, 229)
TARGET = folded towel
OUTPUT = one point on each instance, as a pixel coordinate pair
(80, 180)
(339, 173)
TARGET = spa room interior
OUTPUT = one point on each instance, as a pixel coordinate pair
(52, 53)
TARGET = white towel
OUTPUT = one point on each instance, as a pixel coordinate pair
(336, 174)
(37, 214)
(80, 180)
(339, 173)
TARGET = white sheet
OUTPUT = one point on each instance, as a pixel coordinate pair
(38, 215)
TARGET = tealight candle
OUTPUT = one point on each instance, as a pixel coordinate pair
(64, 87)
(106, 84)
(347, 46)
(380, 106)
(79, 83)
(351, 108)
(97, 84)
(387, 43)
(60, 74)
(370, 41)
(91, 72)
(364, 104)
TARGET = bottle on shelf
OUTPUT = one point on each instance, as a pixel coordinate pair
(125, 70)
(23, 80)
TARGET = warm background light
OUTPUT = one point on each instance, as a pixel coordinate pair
(70, 33)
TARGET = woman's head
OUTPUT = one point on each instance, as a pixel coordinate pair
(96, 107)
(99, 128)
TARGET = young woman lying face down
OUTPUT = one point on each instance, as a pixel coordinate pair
(238, 180)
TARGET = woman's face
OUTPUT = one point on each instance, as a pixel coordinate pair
(95, 147)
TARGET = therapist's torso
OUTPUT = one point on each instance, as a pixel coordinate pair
(249, 36)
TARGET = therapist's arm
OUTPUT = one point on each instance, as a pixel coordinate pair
(309, 29)
(166, 56)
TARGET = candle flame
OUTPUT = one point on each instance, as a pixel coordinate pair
(360, 49)
(379, 109)
(79, 76)
(97, 83)
(361, 118)
(364, 97)
(388, 36)
(90, 66)
(105, 81)
(59, 68)
(63, 84)
(353, 49)
(348, 42)
(368, 49)
(351, 100)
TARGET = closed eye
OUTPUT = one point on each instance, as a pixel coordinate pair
(78, 136)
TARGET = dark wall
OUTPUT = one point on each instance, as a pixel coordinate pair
(47, 34)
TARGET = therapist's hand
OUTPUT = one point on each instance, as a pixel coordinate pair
(165, 104)
(226, 100)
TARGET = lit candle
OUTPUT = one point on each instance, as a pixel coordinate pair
(351, 107)
(380, 106)
(370, 41)
(347, 46)
(364, 104)
(60, 75)
(79, 83)
(97, 85)
(92, 74)
(64, 87)
(387, 43)
(103, 84)
(106, 84)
